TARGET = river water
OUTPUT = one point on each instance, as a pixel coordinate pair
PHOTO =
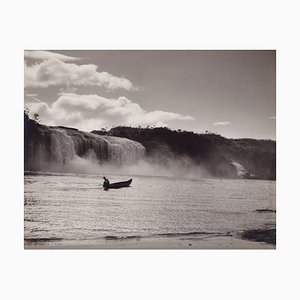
(73, 209)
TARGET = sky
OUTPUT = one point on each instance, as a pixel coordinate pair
(232, 93)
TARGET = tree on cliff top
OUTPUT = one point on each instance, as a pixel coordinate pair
(35, 117)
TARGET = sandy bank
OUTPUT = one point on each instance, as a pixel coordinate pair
(224, 242)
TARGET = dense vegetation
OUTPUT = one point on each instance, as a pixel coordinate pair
(209, 150)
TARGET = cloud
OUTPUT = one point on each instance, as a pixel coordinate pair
(29, 97)
(88, 112)
(43, 55)
(54, 71)
(223, 123)
(67, 89)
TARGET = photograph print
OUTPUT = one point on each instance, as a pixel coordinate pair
(149, 149)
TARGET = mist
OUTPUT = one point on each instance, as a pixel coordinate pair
(155, 165)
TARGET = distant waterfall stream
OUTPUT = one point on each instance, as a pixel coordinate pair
(59, 146)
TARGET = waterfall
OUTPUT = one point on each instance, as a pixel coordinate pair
(46, 147)
(241, 172)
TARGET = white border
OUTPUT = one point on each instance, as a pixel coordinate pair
(207, 274)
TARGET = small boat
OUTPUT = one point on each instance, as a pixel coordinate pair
(118, 185)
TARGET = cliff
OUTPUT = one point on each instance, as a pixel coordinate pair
(48, 146)
(221, 157)
(54, 147)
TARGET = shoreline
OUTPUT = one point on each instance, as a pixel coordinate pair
(245, 240)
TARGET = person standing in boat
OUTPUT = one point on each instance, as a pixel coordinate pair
(105, 183)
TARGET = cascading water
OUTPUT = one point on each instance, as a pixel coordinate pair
(49, 148)
(241, 172)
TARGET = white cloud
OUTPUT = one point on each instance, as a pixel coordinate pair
(88, 112)
(43, 55)
(54, 71)
(223, 123)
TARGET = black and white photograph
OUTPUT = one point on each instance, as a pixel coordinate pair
(149, 149)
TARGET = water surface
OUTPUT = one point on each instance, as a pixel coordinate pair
(66, 209)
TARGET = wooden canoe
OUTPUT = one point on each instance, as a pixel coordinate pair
(118, 185)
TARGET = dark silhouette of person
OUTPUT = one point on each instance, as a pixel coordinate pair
(105, 183)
